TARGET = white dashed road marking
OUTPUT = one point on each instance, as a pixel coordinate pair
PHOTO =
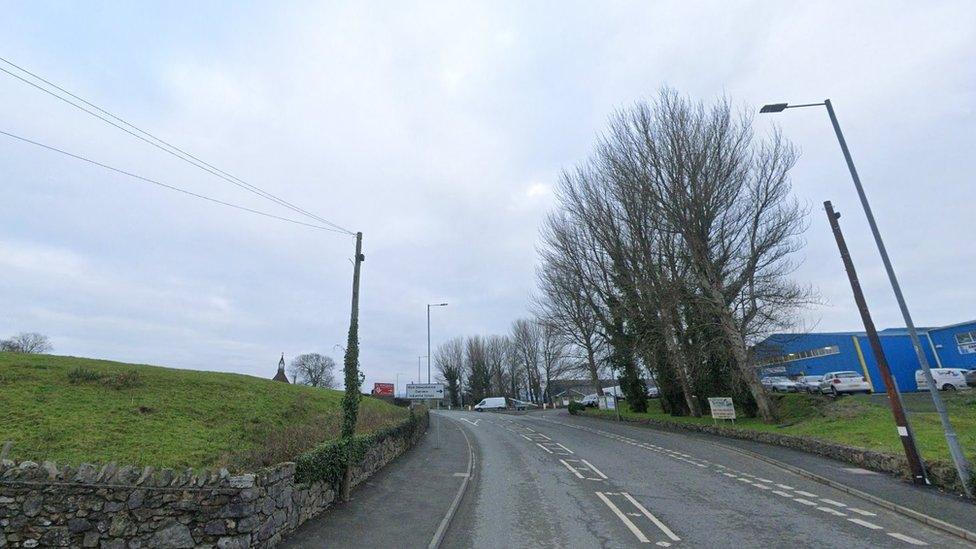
(865, 523)
(907, 539)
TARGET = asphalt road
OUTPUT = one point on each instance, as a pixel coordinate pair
(553, 480)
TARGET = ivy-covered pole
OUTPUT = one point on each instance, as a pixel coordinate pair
(350, 401)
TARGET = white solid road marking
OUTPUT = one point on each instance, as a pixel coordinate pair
(570, 467)
(832, 502)
(865, 523)
(907, 539)
(543, 447)
(667, 531)
(594, 469)
(805, 502)
(475, 422)
(862, 512)
(785, 487)
(627, 522)
(782, 493)
(525, 437)
(807, 494)
(563, 447)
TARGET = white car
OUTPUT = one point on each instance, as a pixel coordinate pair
(846, 381)
(591, 401)
(491, 403)
(946, 379)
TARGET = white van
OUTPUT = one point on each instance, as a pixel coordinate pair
(946, 379)
(491, 403)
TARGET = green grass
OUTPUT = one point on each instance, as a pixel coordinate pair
(858, 420)
(148, 415)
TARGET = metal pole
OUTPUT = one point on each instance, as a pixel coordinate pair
(894, 395)
(958, 458)
(428, 343)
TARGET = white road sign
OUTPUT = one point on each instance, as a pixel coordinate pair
(425, 391)
(722, 408)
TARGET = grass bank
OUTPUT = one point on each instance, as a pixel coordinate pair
(859, 420)
(75, 410)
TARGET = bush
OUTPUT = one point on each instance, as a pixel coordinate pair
(327, 461)
(123, 380)
(83, 375)
(576, 407)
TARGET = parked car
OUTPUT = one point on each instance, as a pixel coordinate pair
(946, 379)
(809, 384)
(653, 391)
(837, 383)
(971, 378)
(591, 401)
(491, 403)
(780, 384)
(522, 405)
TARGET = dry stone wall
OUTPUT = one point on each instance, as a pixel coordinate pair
(42, 504)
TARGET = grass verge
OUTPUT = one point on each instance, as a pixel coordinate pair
(859, 420)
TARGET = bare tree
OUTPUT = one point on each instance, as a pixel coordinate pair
(527, 352)
(476, 368)
(497, 352)
(552, 347)
(449, 361)
(314, 370)
(27, 342)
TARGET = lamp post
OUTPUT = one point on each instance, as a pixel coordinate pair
(419, 358)
(962, 466)
(398, 380)
(429, 305)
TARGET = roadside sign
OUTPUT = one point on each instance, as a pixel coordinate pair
(383, 389)
(607, 403)
(425, 391)
(722, 408)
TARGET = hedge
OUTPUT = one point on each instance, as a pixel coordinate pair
(327, 461)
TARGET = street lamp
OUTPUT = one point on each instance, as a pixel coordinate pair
(962, 466)
(419, 366)
(429, 305)
(398, 380)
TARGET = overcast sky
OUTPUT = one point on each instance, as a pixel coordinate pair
(438, 130)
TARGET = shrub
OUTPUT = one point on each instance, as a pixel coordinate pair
(576, 407)
(123, 380)
(83, 375)
(326, 462)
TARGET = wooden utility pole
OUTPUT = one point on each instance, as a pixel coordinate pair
(894, 396)
(350, 401)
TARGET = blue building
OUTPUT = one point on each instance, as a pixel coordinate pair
(952, 346)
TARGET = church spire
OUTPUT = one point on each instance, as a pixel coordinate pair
(280, 376)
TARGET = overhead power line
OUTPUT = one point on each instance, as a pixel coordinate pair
(165, 185)
(143, 135)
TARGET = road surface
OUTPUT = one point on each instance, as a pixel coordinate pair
(553, 480)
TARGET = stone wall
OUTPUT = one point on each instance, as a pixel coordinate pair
(129, 508)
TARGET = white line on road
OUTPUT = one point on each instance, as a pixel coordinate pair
(627, 522)
(543, 447)
(782, 493)
(785, 487)
(832, 502)
(907, 539)
(832, 511)
(862, 512)
(475, 422)
(805, 502)
(865, 523)
(807, 494)
(525, 437)
(667, 531)
(570, 467)
(594, 469)
(563, 447)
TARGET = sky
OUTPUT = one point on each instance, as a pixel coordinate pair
(438, 130)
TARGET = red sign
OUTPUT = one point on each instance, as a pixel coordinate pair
(383, 389)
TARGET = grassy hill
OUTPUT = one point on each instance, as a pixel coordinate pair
(75, 410)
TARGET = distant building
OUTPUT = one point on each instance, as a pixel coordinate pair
(952, 346)
(280, 376)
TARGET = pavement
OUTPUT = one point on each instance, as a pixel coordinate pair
(548, 479)
(402, 505)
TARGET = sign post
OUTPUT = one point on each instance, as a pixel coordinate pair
(425, 391)
(722, 408)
